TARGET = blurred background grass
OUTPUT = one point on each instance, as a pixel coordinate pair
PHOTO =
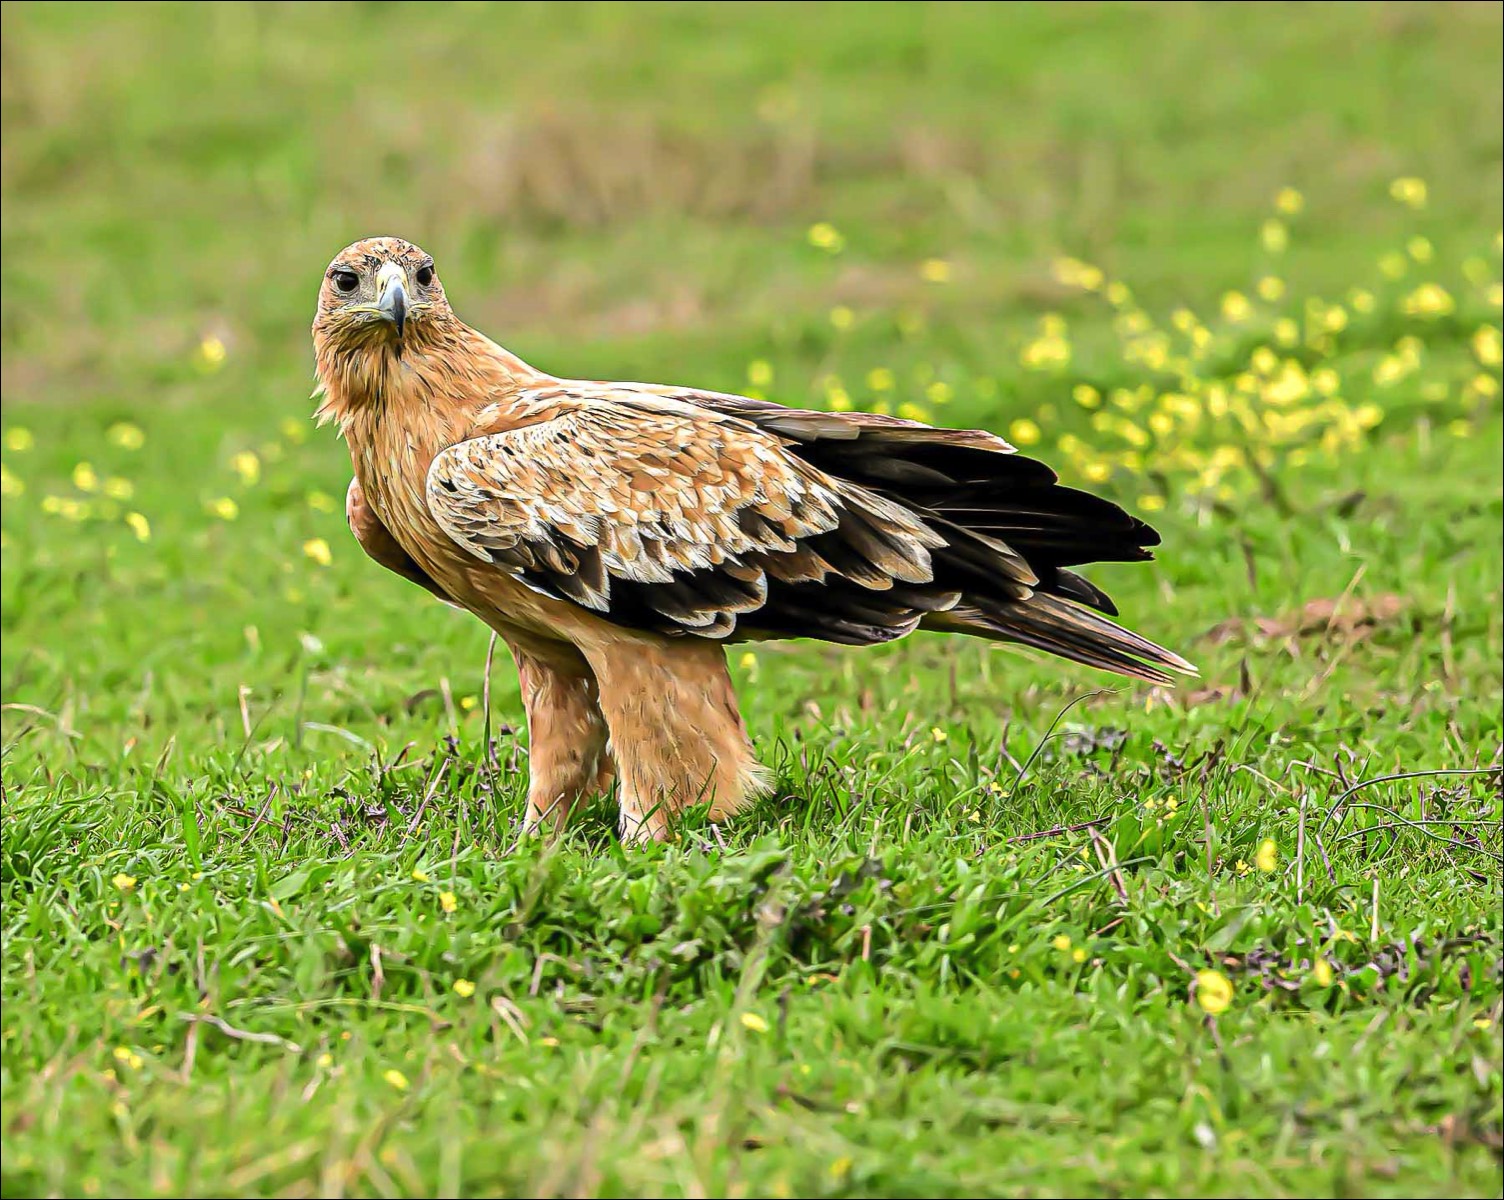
(886, 208)
(603, 183)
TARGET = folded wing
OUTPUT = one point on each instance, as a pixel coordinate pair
(664, 516)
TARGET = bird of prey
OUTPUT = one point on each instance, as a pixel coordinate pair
(618, 536)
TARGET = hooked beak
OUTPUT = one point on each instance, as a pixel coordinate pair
(391, 295)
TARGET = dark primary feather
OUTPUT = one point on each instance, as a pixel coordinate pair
(994, 508)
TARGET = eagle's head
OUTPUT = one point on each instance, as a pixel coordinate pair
(380, 292)
(382, 323)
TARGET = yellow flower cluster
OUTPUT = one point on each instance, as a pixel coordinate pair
(1272, 380)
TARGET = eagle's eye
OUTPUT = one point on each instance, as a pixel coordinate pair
(346, 281)
(423, 276)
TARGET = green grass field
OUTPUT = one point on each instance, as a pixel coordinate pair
(1011, 927)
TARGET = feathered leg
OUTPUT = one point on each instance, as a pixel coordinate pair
(676, 732)
(567, 754)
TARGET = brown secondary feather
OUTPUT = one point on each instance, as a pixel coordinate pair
(617, 534)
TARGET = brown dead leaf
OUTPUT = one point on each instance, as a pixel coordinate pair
(1349, 618)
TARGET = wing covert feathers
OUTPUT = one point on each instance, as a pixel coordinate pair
(719, 516)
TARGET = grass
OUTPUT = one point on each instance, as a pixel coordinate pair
(268, 926)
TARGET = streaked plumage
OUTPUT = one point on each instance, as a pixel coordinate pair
(618, 535)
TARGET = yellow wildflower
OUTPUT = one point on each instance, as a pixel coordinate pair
(1267, 857)
(1321, 972)
(1236, 307)
(463, 987)
(1488, 346)
(396, 1078)
(18, 439)
(318, 550)
(881, 379)
(1213, 991)
(247, 466)
(448, 902)
(1024, 432)
(1409, 191)
(1428, 300)
(824, 236)
(124, 882)
(85, 478)
(1420, 249)
(1274, 236)
(1086, 396)
(126, 435)
(139, 525)
(750, 1020)
(1289, 201)
(759, 372)
(935, 270)
(211, 353)
(939, 736)
(124, 1054)
(842, 317)
(1061, 942)
(1270, 288)
(224, 508)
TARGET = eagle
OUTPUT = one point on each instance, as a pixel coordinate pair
(619, 536)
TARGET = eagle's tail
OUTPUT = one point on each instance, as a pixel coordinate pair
(1064, 627)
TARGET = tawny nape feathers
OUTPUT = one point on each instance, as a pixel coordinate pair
(618, 536)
